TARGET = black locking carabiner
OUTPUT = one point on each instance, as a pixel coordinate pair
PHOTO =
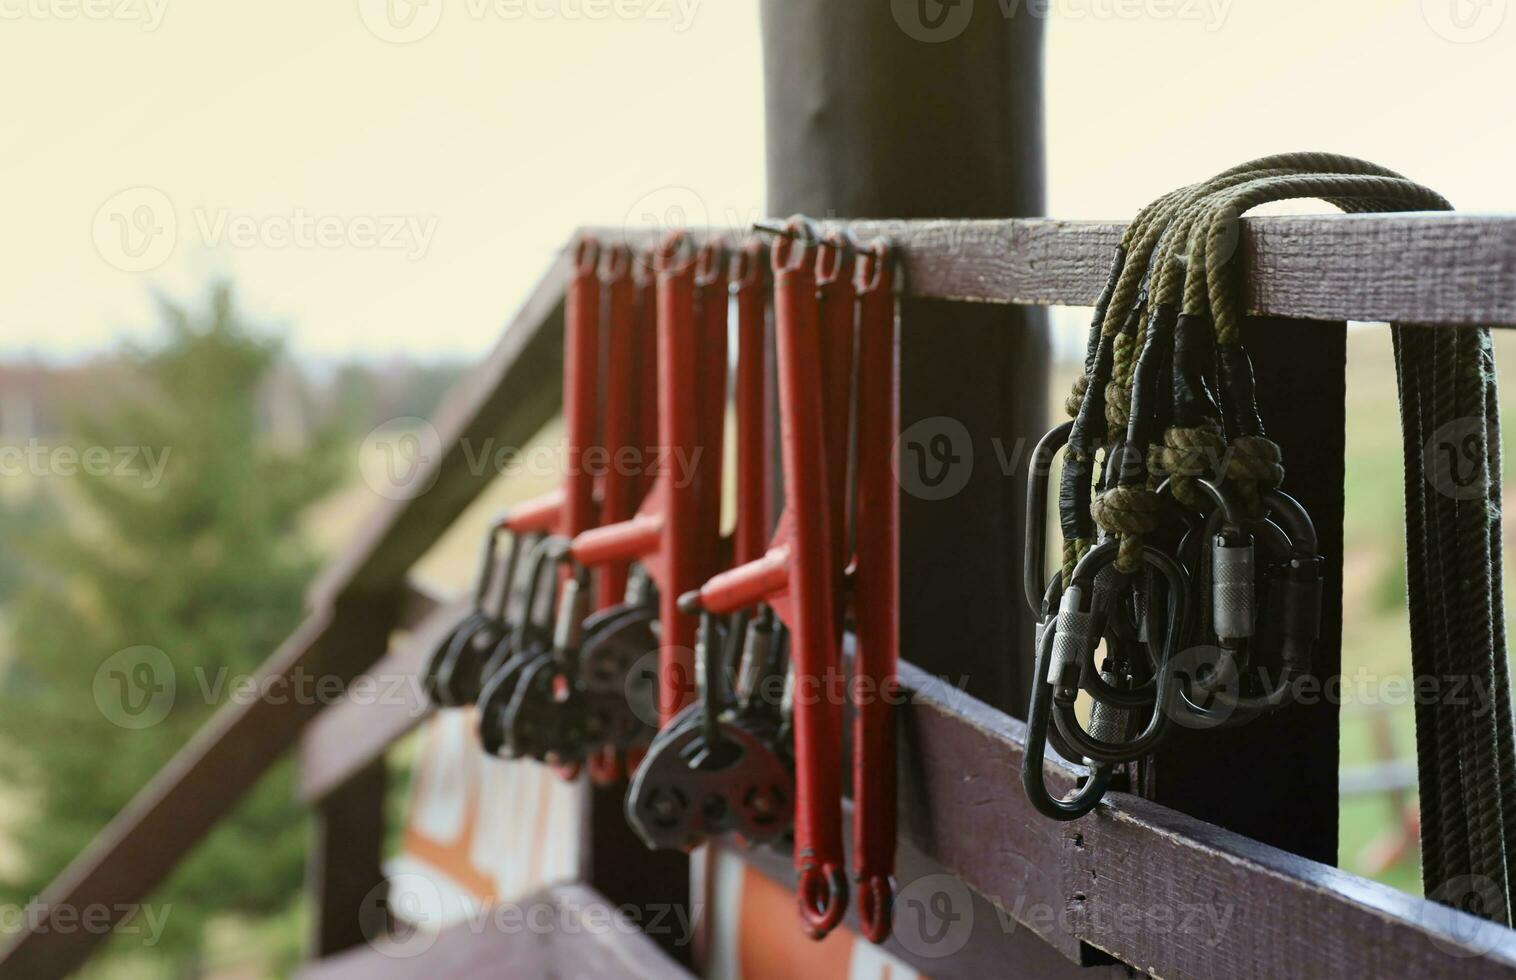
(1071, 661)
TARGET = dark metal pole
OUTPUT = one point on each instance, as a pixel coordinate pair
(914, 109)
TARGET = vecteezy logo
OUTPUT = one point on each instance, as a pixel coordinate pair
(400, 21)
(1211, 679)
(934, 915)
(134, 688)
(1454, 459)
(642, 688)
(1467, 934)
(670, 208)
(398, 459)
(400, 917)
(136, 229)
(932, 21)
(1464, 21)
(934, 458)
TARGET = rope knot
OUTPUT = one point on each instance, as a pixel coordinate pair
(1126, 510)
(1076, 397)
(1117, 402)
(1188, 453)
(1255, 458)
(1253, 464)
(1129, 513)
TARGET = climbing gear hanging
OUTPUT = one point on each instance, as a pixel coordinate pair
(828, 297)
(585, 686)
(712, 769)
(1189, 474)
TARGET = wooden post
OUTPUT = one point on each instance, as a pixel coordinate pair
(344, 866)
(1275, 780)
(898, 110)
(620, 867)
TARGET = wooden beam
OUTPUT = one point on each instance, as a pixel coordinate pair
(1439, 267)
(379, 707)
(1275, 779)
(344, 865)
(855, 126)
(1162, 891)
(1224, 904)
(947, 931)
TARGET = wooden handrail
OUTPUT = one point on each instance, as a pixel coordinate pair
(1223, 893)
(1438, 268)
(1421, 268)
(508, 397)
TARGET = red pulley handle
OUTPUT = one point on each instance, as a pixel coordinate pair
(749, 277)
(668, 534)
(876, 594)
(822, 886)
(836, 296)
(581, 375)
(620, 484)
(797, 576)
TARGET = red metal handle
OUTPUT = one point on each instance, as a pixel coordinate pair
(621, 484)
(682, 433)
(645, 285)
(581, 373)
(834, 281)
(822, 888)
(711, 302)
(876, 595)
(751, 534)
(539, 514)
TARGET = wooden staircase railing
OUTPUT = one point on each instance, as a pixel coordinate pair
(961, 805)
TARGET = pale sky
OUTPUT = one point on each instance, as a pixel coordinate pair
(373, 197)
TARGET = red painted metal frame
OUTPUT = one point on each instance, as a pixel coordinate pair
(581, 375)
(676, 532)
(798, 577)
(620, 486)
(876, 594)
(749, 278)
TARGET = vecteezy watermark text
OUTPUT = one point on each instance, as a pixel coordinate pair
(407, 21)
(145, 922)
(398, 459)
(937, 21)
(37, 459)
(138, 228)
(147, 13)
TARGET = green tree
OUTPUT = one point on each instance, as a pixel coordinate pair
(190, 546)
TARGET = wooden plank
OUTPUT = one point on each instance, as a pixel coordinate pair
(385, 704)
(1162, 891)
(344, 864)
(194, 790)
(946, 930)
(1275, 780)
(1444, 268)
(566, 931)
(1421, 267)
(1224, 905)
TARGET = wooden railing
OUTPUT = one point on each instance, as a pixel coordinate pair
(962, 807)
